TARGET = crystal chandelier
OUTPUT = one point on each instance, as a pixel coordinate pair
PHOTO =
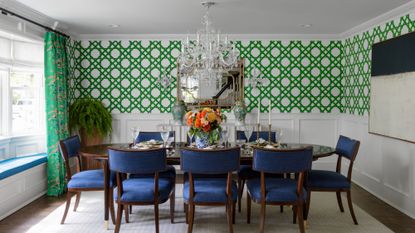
(210, 55)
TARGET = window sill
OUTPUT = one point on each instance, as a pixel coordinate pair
(20, 137)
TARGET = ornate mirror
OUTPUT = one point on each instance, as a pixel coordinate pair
(220, 92)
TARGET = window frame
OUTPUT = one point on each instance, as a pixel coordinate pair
(6, 118)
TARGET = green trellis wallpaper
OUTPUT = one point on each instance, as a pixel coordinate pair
(357, 62)
(300, 76)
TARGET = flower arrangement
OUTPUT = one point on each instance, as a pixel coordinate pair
(205, 122)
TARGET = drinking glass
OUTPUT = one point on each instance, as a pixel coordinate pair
(164, 132)
(248, 129)
(224, 135)
(135, 131)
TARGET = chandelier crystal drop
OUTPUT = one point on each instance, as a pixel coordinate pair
(210, 55)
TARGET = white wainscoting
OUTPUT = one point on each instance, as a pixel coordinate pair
(21, 146)
(19, 190)
(299, 128)
(384, 166)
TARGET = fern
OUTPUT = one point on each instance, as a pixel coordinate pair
(90, 115)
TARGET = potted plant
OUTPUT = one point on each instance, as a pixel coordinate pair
(91, 119)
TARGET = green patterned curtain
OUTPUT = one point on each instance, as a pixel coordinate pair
(57, 104)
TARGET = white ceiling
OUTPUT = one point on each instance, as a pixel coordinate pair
(230, 16)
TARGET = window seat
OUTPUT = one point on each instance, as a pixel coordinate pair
(13, 166)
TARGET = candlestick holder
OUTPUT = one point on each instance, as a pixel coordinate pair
(257, 132)
(269, 133)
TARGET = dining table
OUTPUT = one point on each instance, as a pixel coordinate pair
(100, 152)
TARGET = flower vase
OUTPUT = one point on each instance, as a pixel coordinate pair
(202, 140)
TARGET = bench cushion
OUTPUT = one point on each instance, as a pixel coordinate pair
(10, 167)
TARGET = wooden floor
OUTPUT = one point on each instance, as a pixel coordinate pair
(23, 219)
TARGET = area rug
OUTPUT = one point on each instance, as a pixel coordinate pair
(324, 217)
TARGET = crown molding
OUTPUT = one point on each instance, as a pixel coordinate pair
(379, 20)
(231, 37)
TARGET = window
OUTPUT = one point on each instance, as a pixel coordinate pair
(22, 104)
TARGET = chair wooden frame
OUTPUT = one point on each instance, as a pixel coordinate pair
(189, 206)
(241, 182)
(123, 206)
(339, 190)
(298, 205)
(77, 191)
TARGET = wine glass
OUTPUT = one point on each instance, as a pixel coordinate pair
(164, 132)
(224, 135)
(135, 131)
(248, 130)
(190, 134)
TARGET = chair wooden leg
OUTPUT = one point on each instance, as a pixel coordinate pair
(119, 217)
(233, 212)
(295, 214)
(229, 209)
(241, 184)
(262, 218)
(78, 198)
(281, 209)
(156, 217)
(172, 203)
(307, 208)
(111, 202)
(339, 201)
(68, 204)
(300, 217)
(248, 208)
(191, 218)
(186, 211)
(349, 201)
(127, 215)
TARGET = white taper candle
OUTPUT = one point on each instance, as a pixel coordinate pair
(269, 112)
(259, 111)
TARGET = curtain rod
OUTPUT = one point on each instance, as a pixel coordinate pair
(7, 12)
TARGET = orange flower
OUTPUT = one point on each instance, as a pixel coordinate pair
(190, 121)
(197, 123)
(203, 113)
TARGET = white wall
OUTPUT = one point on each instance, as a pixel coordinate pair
(384, 166)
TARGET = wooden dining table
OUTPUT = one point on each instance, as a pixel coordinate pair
(100, 152)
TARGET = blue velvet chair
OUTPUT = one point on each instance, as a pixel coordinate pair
(330, 181)
(90, 180)
(279, 191)
(147, 136)
(246, 172)
(153, 190)
(210, 191)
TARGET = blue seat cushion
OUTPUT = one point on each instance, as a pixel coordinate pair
(327, 180)
(142, 190)
(210, 190)
(170, 173)
(89, 179)
(16, 165)
(277, 189)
